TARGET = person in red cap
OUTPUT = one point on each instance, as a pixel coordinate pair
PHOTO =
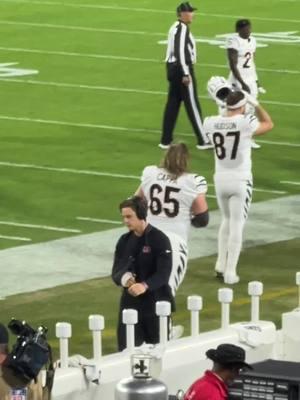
(228, 360)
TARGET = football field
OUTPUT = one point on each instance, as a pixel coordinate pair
(82, 95)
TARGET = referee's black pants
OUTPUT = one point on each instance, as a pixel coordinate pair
(179, 92)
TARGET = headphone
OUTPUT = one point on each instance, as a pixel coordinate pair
(140, 207)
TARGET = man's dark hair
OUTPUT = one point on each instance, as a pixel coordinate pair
(241, 23)
(137, 204)
(234, 97)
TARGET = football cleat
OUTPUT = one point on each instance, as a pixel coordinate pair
(219, 275)
(231, 279)
(255, 145)
(164, 146)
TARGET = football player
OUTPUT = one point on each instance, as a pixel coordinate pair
(176, 200)
(232, 136)
(241, 48)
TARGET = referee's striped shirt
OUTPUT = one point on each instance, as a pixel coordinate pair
(181, 47)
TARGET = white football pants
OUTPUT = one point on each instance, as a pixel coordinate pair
(179, 260)
(234, 199)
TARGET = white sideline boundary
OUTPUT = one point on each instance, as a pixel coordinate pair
(43, 227)
(15, 238)
(90, 256)
(117, 128)
(119, 90)
(105, 174)
(144, 10)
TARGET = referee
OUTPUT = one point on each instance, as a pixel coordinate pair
(181, 55)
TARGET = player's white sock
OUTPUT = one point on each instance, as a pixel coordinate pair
(234, 246)
(222, 245)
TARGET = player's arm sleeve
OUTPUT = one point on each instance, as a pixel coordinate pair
(200, 185)
(254, 52)
(163, 267)
(206, 129)
(200, 217)
(252, 124)
(121, 264)
(180, 42)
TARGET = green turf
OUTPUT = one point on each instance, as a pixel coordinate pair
(273, 264)
(57, 198)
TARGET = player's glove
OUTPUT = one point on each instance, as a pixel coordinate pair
(218, 89)
(250, 99)
(261, 90)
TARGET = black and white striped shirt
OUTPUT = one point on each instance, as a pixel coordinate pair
(181, 47)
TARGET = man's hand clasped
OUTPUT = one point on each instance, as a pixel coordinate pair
(137, 289)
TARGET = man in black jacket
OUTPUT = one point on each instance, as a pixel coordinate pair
(142, 266)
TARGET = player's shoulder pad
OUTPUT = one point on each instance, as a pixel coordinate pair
(207, 121)
(149, 170)
(232, 42)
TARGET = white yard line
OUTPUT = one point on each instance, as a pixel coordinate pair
(269, 191)
(276, 143)
(15, 238)
(133, 59)
(82, 86)
(118, 89)
(68, 170)
(105, 174)
(44, 227)
(84, 55)
(143, 10)
(277, 71)
(80, 28)
(115, 128)
(290, 183)
(105, 221)
(259, 190)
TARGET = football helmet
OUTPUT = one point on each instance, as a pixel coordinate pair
(218, 89)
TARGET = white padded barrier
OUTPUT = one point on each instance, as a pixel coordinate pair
(184, 359)
(291, 330)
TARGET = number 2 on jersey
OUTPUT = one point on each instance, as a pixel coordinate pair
(248, 58)
(219, 141)
(157, 206)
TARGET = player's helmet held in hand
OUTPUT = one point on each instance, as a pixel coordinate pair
(218, 89)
